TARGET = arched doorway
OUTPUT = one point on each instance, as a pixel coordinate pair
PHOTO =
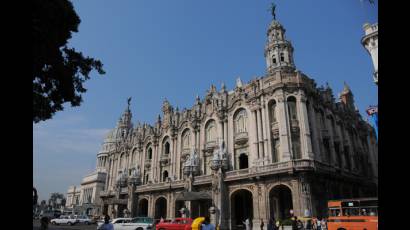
(280, 202)
(241, 208)
(143, 208)
(160, 208)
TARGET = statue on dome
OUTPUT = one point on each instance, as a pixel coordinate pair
(128, 102)
(272, 9)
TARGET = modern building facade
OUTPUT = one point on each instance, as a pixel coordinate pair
(370, 41)
(275, 145)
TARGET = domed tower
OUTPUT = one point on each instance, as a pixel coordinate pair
(124, 124)
(346, 97)
(278, 50)
(370, 42)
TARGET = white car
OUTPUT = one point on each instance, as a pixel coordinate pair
(64, 220)
(83, 219)
(117, 222)
(137, 223)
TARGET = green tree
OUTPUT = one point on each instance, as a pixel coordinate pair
(58, 71)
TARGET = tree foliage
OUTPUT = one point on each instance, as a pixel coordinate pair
(58, 71)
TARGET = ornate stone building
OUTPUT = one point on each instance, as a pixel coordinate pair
(370, 41)
(275, 144)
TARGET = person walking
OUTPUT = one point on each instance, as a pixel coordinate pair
(309, 225)
(247, 224)
(262, 224)
(207, 224)
(294, 223)
(43, 223)
(271, 224)
(107, 224)
(324, 224)
(318, 224)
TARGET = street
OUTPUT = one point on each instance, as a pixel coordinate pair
(36, 226)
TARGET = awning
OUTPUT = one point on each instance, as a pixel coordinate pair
(194, 196)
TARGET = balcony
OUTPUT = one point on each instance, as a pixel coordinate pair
(210, 146)
(185, 153)
(164, 160)
(106, 193)
(148, 163)
(241, 138)
(203, 179)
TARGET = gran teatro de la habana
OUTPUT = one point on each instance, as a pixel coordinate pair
(268, 147)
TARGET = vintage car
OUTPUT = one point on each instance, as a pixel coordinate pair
(175, 224)
(69, 220)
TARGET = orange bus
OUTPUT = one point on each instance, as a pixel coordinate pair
(353, 214)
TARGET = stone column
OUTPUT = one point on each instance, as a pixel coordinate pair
(260, 134)
(265, 128)
(304, 129)
(253, 138)
(283, 129)
(231, 140)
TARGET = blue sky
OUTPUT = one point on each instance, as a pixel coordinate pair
(156, 49)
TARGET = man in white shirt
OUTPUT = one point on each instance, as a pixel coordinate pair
(107, 224)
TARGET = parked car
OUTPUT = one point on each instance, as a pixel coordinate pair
(117, 222)
(84, 219)
(176, 224)
(137, 223)
(70, 220)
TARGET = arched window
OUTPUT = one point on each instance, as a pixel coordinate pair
(282, 57)
(121, 161)
(273, 59)
(186, 140)
(167, 148)
(149, 153)
(164, 176)
(292, 108)
(211, 131)
(272, 111)
(241, 121)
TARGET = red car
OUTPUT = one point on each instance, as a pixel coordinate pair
(177, 224)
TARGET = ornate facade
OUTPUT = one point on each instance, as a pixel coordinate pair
(275, 144)
(370, 41)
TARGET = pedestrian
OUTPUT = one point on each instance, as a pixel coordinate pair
(107, 224)
(161, 220)
(294, 223)
(262, 224)
(324, 224)
(318, 224)
(247, 224)
(44, 223)
(207, 224)
(277, 225)
(271, 224)
(299, 224)
(309, 225)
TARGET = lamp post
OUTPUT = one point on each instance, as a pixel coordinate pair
(219, 164)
